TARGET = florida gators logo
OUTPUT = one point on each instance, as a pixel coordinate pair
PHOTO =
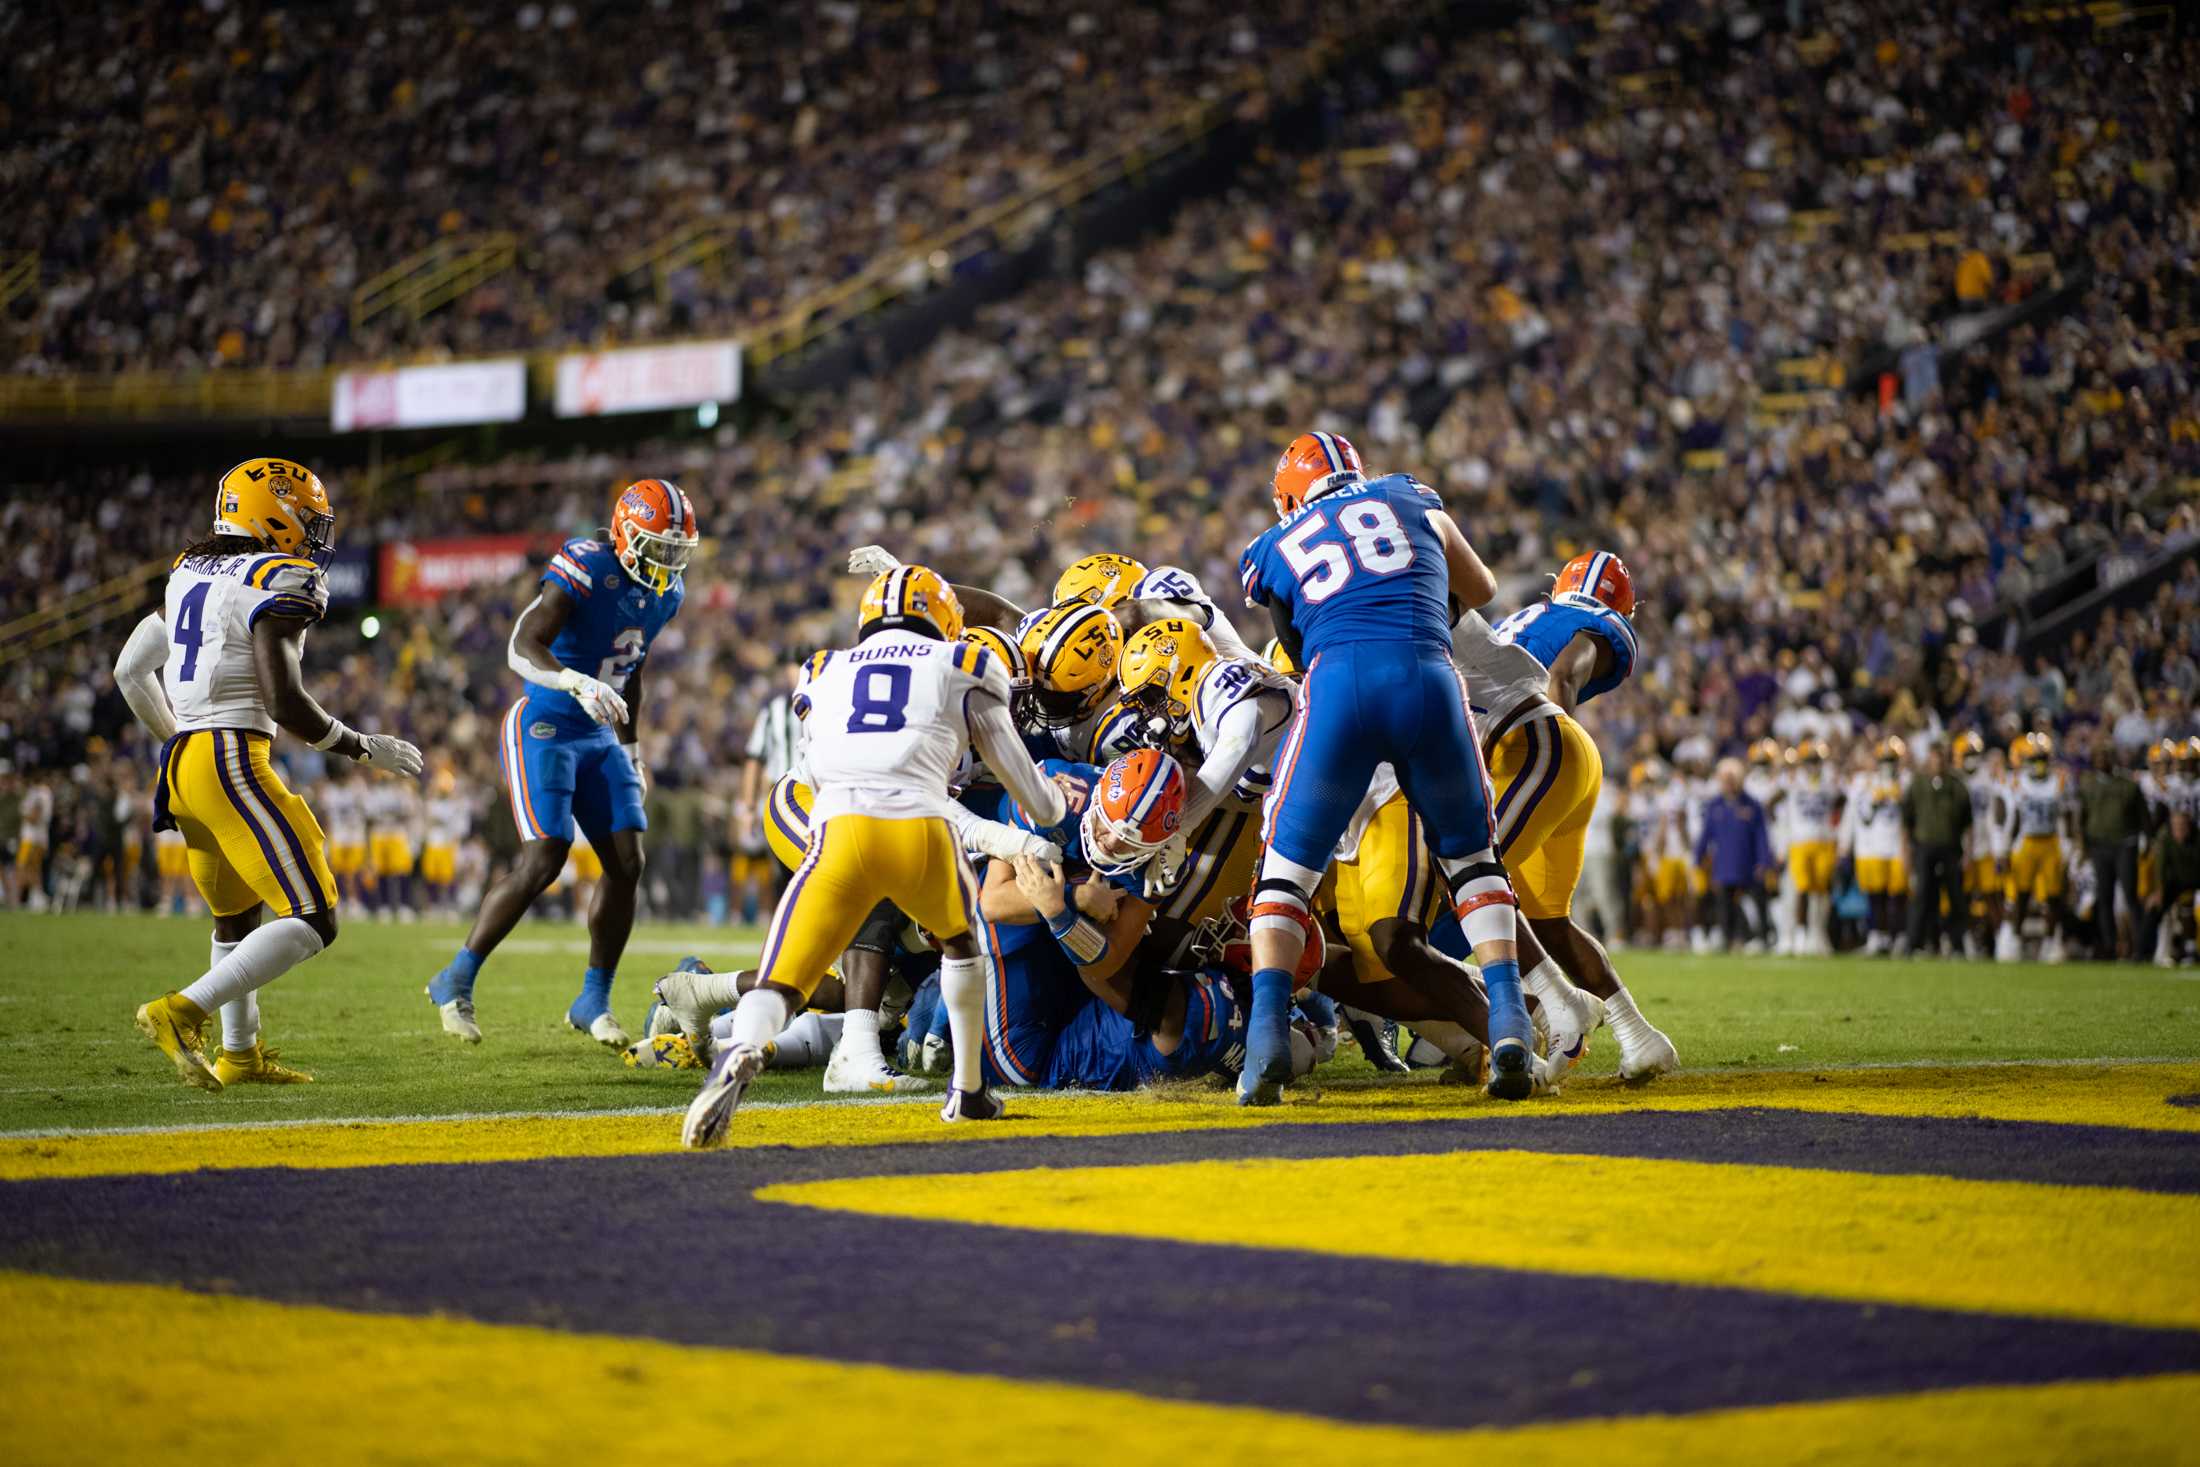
(638, 504)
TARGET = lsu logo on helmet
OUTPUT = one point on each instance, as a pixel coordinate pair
(281, 504)
(1596, 576)
(653, 532)
(1103, 580)
(1073, 650)
(1313, 465)
(1138, 809)
(1162, 664)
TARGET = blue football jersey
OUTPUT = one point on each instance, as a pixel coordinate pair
(1359, 564)
(1543, 630)
(614, 620)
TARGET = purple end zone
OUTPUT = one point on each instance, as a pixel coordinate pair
(676, 1248)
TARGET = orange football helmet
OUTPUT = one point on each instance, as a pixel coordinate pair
(1599, 576)
(1137, 808)
(653, 532)
(1314, 464)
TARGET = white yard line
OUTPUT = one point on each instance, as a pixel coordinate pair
(65, 1133)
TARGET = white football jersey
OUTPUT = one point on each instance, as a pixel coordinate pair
(1764, 786)
(1810, 805)
(1502, 677)
(1985, 837)
(393, 808)
(2040, 801)
(1676, 807)
(1874, 818)
(36, 816)
(212, 603)
(342, 813)
(449, 818)
(1226, 684)
(886, 723)
(1175, 591)
(1382, 788)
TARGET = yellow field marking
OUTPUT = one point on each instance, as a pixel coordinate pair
(2099, 1253)
(2112, 1095)
(135, 1373)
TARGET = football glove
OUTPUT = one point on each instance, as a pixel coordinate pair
(872, 560)
(1165, 866)
(388, 754)
(599, 700)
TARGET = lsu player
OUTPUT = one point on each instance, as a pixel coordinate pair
(393, 835)
(2039, 801)
(213, 674)
(33, 838)
(448, 819)
(887, 723)
(1871, 829)
(1812, 806)
(1072, 650)
(1763, 784)
(1985, 842)
(1357, 575)
(343, 806)
(1230, 714)
(1529, 674)
(568, 746)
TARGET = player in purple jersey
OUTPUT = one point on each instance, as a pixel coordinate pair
(1360, 578)
(567, 747)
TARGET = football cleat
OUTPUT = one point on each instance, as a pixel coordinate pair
(1648, 1059)
(168, 1023)
(679, 997)
(663, 1052)
(972, 1105)
(845, 1074)
(256, 1066)
(603, 1029)
(711, 1112)
(458, 1018)
(1373, 1037)
(1512, 1070)
(1568, 1017)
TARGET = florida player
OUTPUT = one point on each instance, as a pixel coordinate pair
(1358, 576)
(888, 723)
(213, 675)
(1530, 673)
(568, 745)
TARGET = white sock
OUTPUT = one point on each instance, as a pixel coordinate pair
(962, 989)
(240, 1016)
(1547, 981)
(259, 960)
(759, 1018)
(1452, 1039)
(717, 991)
(808, 1040)
(1629, 1027)
(721, 1027)
(859, 1038)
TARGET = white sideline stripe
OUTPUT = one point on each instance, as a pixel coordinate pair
(1079, 1096)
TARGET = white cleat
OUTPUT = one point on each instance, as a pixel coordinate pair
(1651, 1058)
(604, 1030)
(847, 1074)
(711, 1112)
(1545, 1075)
(972, 1105)
(2008, 947)
(2051, 951)
(1571, 1016)
(679, 999)
(458, 1020)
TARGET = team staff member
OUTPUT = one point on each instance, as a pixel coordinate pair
(1936, 818)
(2112, 815)
(1736, 846)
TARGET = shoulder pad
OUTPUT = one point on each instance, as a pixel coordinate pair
(1249, 573)
(812, 668)
(1171, 583)
(1415, 487)
(581, 566)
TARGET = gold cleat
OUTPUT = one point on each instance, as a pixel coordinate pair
(173, 1022)
(256, 1066)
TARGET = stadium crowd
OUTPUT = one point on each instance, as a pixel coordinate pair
(237, 170)
(1621, 308)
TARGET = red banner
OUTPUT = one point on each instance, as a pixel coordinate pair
(423, 572)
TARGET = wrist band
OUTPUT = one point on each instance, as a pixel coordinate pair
(333, 737)
(1085, 943)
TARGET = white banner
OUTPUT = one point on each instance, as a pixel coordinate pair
(648, 379)
(431, 397)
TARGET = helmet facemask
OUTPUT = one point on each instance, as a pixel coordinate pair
(656, 558)
(1100, 836)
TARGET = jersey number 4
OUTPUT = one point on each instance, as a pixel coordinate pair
(1378, 542)
(186, 633)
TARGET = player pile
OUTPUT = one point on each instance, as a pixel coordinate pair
(1196, 859)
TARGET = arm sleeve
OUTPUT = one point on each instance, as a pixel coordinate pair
(564, 679)
(994, 732)
(1235, 738)
(137, 677)
(988, 837)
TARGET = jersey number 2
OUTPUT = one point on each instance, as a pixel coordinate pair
(1378, 543)
(186, 632)
(880, 709)
(626, 650)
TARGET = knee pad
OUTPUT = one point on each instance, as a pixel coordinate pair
(1482, 898)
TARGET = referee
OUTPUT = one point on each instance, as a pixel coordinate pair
(770, 754)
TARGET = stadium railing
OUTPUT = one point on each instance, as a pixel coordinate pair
(434, 277)
(79, 612)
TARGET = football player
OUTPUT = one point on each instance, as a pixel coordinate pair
(1529, 673)
(213, 674)
(2039, 800)
(568, 747)
(1357, 575)
(449, 819)
(1984, 848)
(393, 832)
(889, 721)
(33, 838)
(1763, 784)
(1871, 830)
(1812, 805)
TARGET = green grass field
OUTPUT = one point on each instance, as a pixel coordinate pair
(357, 1019)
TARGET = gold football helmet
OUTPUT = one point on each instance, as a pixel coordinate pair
(1099, 580)
(1072, 650)
(278, 503)
(1162, 664)
(908, 597)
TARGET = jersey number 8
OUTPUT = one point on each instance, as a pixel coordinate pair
(1378, 543)
(877, 709)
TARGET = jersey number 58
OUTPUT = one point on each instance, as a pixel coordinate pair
(1378, 543)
